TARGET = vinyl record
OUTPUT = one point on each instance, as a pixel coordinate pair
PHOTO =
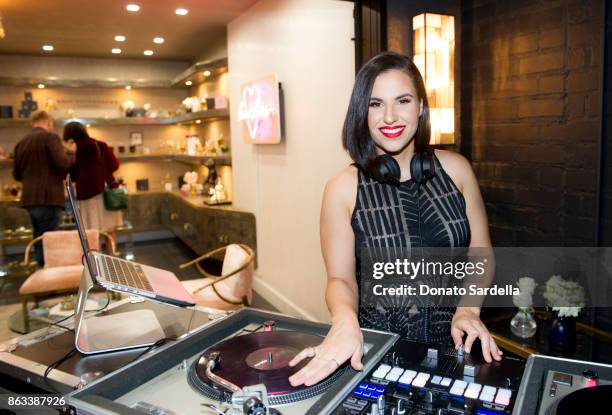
(244, 360)
(257, 358)
(594, 397)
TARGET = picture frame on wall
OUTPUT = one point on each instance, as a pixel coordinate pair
(136, 138)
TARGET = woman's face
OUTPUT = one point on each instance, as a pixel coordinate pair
(394, 111)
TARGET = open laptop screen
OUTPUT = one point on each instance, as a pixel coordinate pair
(80, 226)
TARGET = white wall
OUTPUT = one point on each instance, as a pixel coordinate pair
(307, 43)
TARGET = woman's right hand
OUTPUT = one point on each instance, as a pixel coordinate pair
(343, 342)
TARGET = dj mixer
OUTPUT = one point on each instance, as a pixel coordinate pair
(418, 379)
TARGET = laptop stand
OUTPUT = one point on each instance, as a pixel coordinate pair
(112, 332)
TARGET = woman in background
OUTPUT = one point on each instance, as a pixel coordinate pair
(93, 169)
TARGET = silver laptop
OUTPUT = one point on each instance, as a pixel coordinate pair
(117, 274)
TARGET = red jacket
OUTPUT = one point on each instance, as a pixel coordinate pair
(94, 167)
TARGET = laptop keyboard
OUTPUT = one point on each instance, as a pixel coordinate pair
(125, 273)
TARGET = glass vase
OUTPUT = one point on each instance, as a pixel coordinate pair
(523, 324)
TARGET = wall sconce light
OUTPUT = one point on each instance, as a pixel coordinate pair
(434, 55)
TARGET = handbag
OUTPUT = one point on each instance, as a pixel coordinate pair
(114, 198)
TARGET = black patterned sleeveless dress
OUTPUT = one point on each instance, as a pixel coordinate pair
(387, 216)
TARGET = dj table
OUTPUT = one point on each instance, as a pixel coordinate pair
(238, 364)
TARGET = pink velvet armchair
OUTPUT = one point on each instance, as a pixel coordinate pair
(63, 257)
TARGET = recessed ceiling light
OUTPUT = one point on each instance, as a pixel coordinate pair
(188, 83)
(52, 78)
(120, 38)
(116, 50)
(198, 121)
(47, 48)
(128, 87)
(158, 40)
(111, 79)
(87, 125)
(132, 7)
(181, 11)
(41, 86)
(206, 73)
(148, 52)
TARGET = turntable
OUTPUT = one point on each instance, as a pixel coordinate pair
(235, 365)
(557, 386)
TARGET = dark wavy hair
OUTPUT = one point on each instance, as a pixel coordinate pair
(75, 130)
(356, 138)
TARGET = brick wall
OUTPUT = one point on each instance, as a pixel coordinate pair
(531, 114)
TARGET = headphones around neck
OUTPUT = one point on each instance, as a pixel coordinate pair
(385, 169)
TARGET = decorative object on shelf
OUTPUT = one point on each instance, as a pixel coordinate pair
(6, 111)
(193, 144)
(211, 179)
(167, 183)
(190, 186)
(3, 154)
(192, 104)
(210, 103)
(132, 149)
(136, 138)
(121, 149)
(523, 324)
(142, 185)
(128, 108)
(222, 146)
(28, 105)
(11, 191)
(219, 194)
(562, 334)
(566, 298)
(213, 185)
(50, 105)
(139, 112)
(259, 111)
(221, 102)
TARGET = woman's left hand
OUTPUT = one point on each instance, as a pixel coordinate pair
(467, 321)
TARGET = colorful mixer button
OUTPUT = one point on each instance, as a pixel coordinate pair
(458, 387)
(381, 371)
(407, 377)
(420, 380)
(394, 374)
(487, 394)
(503, 397)
(473, 390)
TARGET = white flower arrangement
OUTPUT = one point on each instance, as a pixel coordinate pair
(526, 287)
(568, 293)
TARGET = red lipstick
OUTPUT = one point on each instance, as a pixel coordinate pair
(392, 131)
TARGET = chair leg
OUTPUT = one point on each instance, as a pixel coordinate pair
(26, 314)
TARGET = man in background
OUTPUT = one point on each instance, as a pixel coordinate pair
(41, 162)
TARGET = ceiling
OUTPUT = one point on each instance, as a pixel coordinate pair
(88, 27)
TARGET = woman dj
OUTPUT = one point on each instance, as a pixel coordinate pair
(381, 201)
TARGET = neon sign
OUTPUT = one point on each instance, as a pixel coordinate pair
(259, 111)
